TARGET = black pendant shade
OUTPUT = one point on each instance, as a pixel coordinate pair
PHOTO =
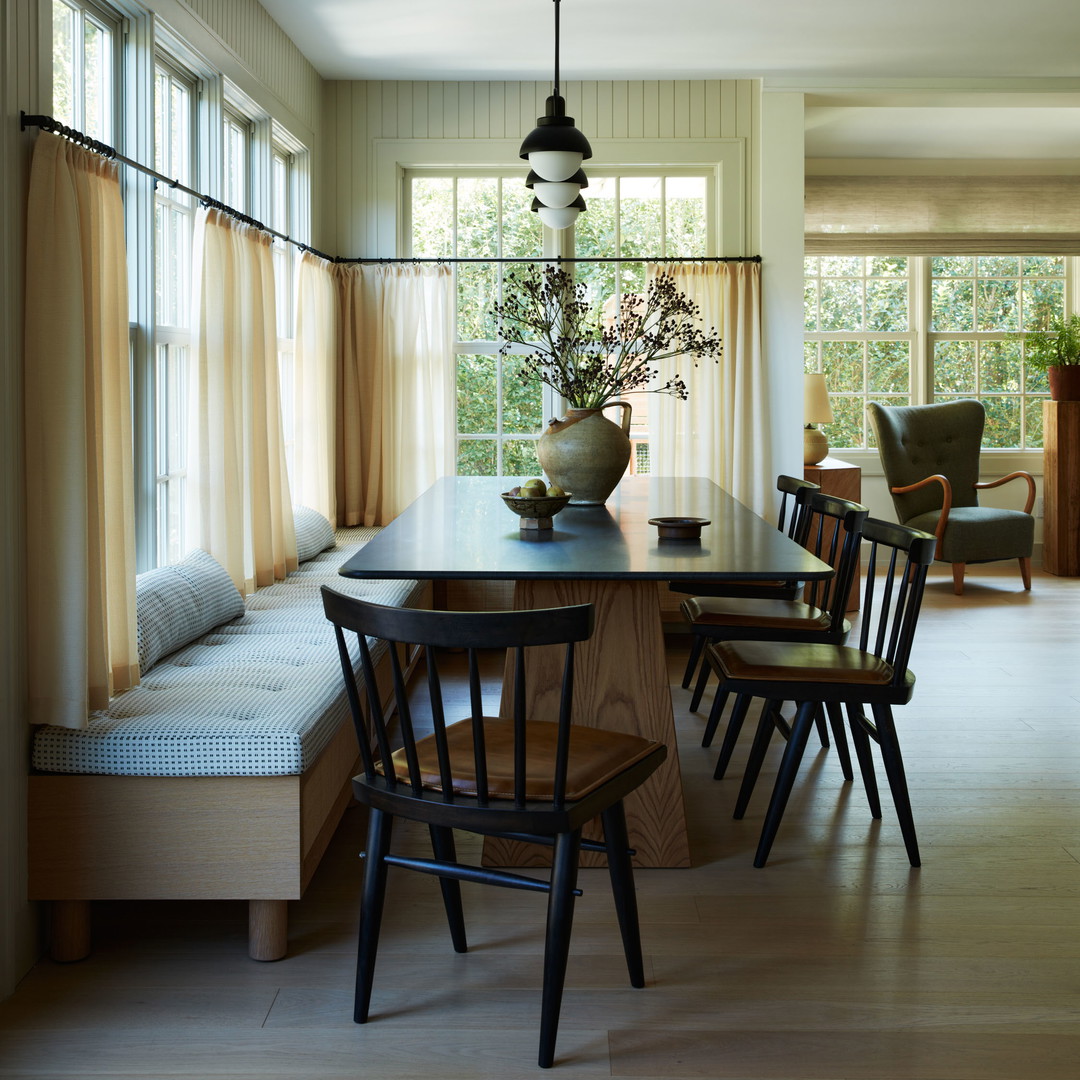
(555, 150)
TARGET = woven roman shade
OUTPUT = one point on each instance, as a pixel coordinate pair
(942, 215)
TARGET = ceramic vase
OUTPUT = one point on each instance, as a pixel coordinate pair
(586, 453)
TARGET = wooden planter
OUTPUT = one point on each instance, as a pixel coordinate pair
(1064, 382)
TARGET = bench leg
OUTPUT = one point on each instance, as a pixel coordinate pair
(268, 929)
(69, 930)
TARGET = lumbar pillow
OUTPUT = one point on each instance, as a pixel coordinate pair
(176, 604)
(313, 532)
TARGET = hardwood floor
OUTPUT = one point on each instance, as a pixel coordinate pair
(837, 961)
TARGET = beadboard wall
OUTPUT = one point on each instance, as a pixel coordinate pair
(357, 115)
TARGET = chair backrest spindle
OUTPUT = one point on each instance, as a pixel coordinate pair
(893, 595)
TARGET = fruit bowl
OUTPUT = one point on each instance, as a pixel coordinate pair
(536, 511)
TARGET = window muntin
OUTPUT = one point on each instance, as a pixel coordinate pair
(483, 214)
(910, 330)
(84, 71)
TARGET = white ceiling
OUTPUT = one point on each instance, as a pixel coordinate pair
(818, 41)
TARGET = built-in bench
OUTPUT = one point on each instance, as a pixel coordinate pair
(225, 772)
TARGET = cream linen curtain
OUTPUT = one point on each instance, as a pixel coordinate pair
(395, 387)
(720, 430)
(80, 506)
(240, 507)
(317, 342)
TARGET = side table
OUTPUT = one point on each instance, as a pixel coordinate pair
(844, 481)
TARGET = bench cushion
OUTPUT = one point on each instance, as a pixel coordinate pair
(260, 695)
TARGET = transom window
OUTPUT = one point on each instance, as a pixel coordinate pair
(911, 330)
(486, 215)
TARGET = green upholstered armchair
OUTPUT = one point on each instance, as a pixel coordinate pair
(930, 454)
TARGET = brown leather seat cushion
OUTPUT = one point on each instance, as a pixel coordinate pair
(785, 661)
(596, 755)
(770, 614)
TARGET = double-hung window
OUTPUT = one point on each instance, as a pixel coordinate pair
(174, 222)
(913, 330)
(482, 215)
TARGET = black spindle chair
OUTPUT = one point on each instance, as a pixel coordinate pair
(794, 521)
(521, 777)
(833, 533)
(872, 675)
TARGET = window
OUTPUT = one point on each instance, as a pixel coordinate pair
(483, 214)
(282, 185)
(237, 147)
(84, 69)
(174, 223)
(480, 217)
(917, 329)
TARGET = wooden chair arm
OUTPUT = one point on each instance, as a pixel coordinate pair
(946, 503)
(1015, 476)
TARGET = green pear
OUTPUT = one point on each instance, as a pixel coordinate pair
(555, 489)
(534, 489)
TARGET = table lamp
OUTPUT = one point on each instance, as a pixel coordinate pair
(816, 410)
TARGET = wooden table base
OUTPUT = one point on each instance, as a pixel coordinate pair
(621, 682)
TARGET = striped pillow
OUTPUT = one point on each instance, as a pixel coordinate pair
(313, 533)
(176, 604)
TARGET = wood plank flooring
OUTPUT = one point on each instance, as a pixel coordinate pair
(837, 961)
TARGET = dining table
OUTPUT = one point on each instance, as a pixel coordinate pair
(612, 557)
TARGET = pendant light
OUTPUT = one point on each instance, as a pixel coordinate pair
(555, 150)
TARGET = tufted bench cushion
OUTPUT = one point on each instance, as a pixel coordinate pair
(260, 695)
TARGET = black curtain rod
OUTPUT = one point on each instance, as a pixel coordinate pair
(47, 123)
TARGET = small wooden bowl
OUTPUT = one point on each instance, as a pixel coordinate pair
(536, 513)
(679, 528)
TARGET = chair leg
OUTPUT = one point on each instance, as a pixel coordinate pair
(731, 736)
(894, 770)
(836, 722)
(702, 681)
(374, 892)
(762, 738)
(564, 867)
(442, 843)
(785, 780)
(715, 712)
(863, 752)
(1025, 571)
(822, 729)
(621, 872)
(958, 578)
(692, 661)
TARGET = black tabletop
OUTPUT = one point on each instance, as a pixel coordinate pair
(460, 528)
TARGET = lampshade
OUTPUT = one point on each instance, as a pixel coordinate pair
(559, 217)
(817, 408)
(558, 194)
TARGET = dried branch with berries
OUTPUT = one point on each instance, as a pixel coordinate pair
(588, 359)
